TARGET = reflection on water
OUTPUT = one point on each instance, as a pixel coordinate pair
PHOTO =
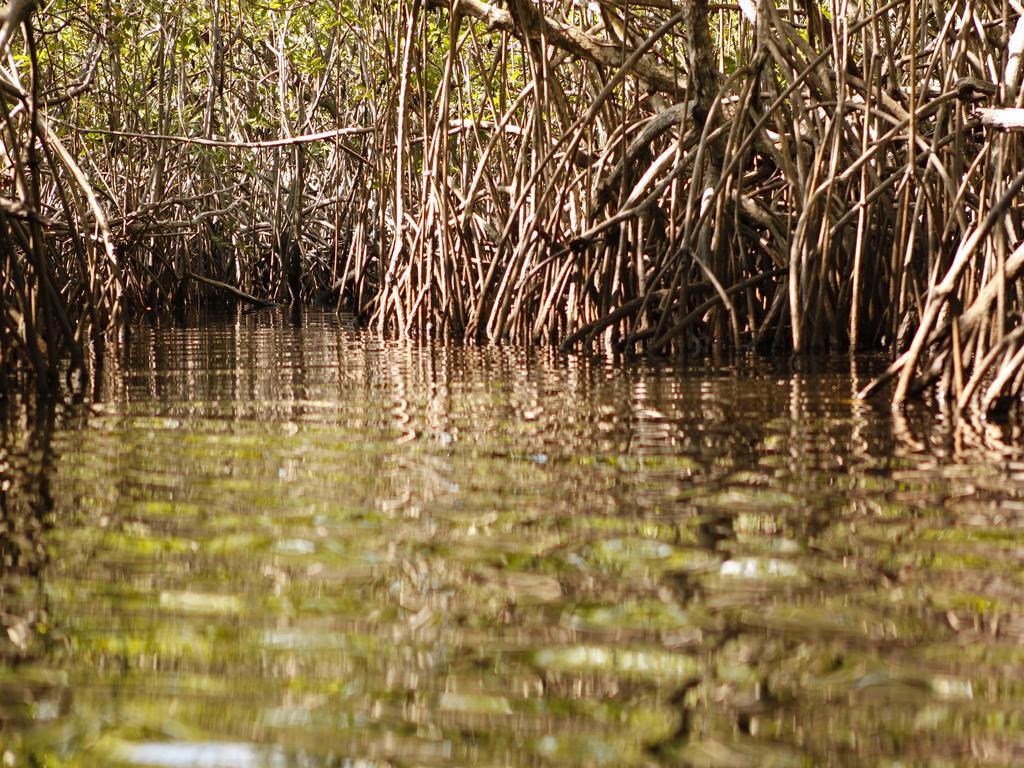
(280, 544)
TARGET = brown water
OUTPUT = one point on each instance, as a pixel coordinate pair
(272, 543)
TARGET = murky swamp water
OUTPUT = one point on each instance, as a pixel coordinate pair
(280, 543)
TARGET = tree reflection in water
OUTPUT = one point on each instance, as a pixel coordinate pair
(284, 543)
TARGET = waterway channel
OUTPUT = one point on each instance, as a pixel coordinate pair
(273, 540)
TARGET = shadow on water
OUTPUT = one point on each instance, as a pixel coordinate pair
(274, 541)
(27, 464)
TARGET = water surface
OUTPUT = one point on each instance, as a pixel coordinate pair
(274, 541)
